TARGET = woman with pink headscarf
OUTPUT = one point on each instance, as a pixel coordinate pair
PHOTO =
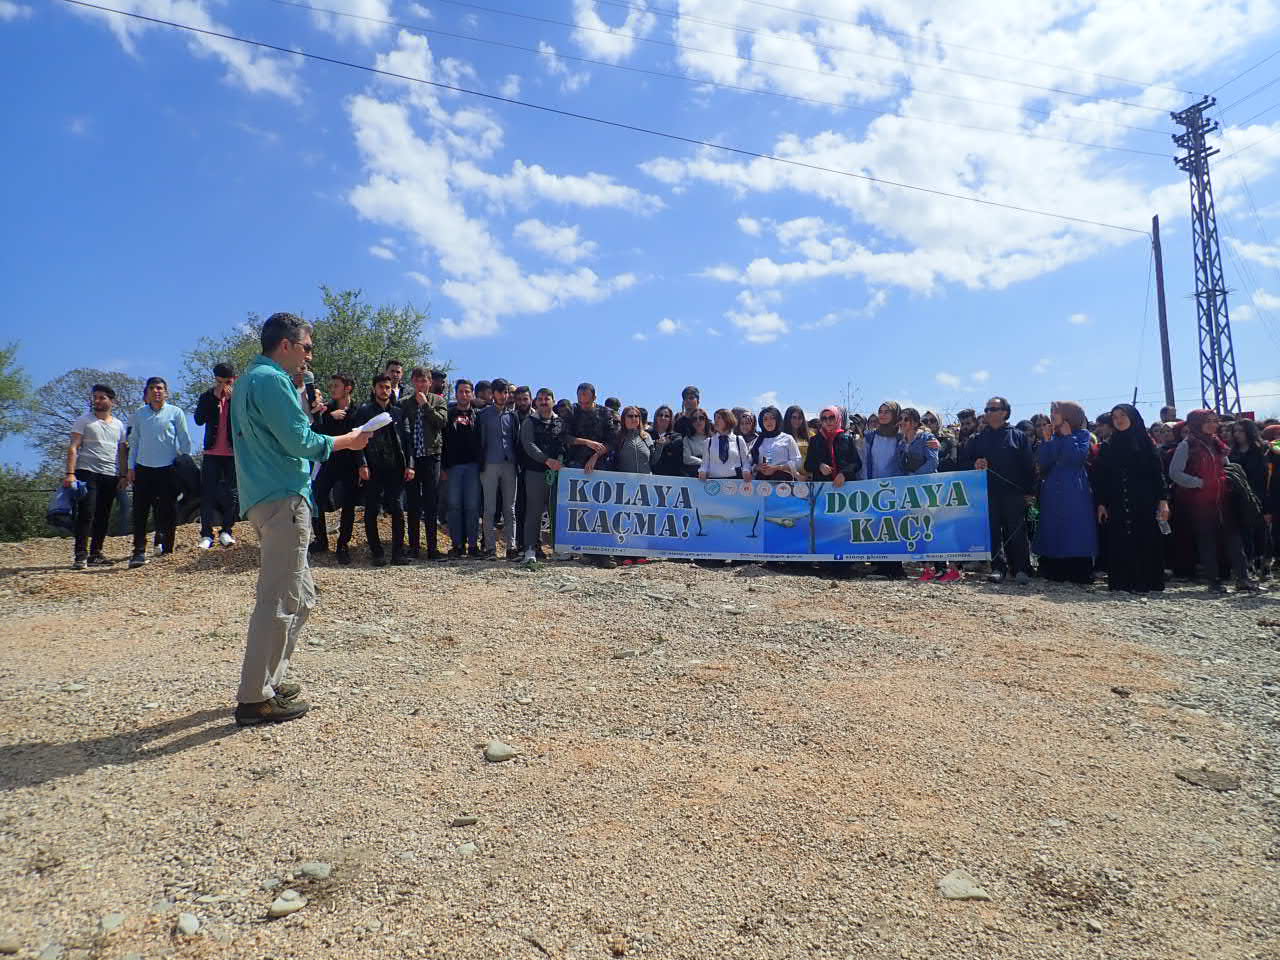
(833, 451)
(1198, 469)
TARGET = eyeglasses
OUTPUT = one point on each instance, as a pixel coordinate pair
(993, 410)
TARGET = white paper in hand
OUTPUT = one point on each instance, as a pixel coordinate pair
(377, 423)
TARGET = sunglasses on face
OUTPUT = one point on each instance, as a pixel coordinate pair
(993, 410)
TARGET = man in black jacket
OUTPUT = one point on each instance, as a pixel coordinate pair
(218, 466)
(425, 413)
(384, 469)
(1005, 455)
(337, 484)
(589, 428)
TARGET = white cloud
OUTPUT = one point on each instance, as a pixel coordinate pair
(767, 399)
(255, 70)
(668, 327)
(750, 226)
(1265, 300)
(382, 253)
(609, 42)
(421, 278)
(948, 379)
(1260, 253)
(570, 82)
(712, 332)
(529, 182)
(561, 243)
(638, 336)
(980, 376)
(421, 12)
(78, 126)
(1042, 366)
(13, 11)
(1262, 397)
(420, 183)
(349, 28)
(1078, 319)
(510, 85)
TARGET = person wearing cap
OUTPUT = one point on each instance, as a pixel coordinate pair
(218, 465)
(690, 402)
(96, 457)
(589, 429)
(499, 437)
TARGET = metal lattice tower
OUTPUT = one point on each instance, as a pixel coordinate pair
(1219, 386)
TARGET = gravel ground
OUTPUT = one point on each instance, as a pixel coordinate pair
(709, 762)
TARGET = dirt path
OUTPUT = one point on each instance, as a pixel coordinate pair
(713, 763)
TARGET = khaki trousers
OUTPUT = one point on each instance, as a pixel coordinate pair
(285, 595)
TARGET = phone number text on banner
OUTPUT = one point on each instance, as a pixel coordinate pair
(939, 516)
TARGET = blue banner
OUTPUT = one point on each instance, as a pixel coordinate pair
(937, 516)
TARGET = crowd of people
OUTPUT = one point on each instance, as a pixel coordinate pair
(1105, 497)
(1109, 496)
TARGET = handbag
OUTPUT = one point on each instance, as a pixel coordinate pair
(61, 512)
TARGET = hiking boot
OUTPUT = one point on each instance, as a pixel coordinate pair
(79, 563)
(288, 690)
(137, 560)
(275, 710)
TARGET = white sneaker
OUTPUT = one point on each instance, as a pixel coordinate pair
(206, 543)
(226, 539)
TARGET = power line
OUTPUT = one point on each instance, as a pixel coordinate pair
(712, 83)
(1250, 146)
(960, 46)
(752, 31)
(1250, 94)
(822, 73)
(616, 124)
(1241, 73)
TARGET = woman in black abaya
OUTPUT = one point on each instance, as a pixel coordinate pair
(1132, 498)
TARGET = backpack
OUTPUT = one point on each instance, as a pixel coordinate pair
(1245, 502)
(61, 512)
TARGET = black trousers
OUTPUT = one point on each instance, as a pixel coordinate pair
(520, 504)
(94, 511)
(155, 487)
(1010, 549)
(382, 492)
(423, 494)
(336, 483)
(218, 495)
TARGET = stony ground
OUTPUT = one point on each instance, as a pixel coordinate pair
(711, 762)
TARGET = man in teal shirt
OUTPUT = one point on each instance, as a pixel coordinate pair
(274, 448)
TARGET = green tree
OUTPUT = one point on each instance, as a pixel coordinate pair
(24, 497)
(13, 391)
(52, 409)
(352, 336)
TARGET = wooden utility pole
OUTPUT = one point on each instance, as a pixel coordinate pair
(1164, 316)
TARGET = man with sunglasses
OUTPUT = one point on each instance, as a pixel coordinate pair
(275, 448)
(1005, 455)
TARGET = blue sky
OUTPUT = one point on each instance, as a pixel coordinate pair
(167, 185)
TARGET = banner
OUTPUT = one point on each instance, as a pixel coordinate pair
(937, 516)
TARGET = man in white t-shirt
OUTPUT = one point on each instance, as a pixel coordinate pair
(95, 457)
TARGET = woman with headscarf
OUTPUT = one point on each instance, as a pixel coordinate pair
(881, 446)
(1198, 469)
(797, 425)
(1067, 537)
(1133, 500)
(1249, 452)
(833, 455)
(775, 456)
(747, 429)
